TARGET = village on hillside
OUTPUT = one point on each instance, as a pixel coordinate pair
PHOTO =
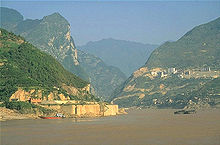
(205, 72)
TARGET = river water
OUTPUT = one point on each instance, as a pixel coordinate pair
(139, 127)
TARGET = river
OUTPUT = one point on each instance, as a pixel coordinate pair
(139, 127)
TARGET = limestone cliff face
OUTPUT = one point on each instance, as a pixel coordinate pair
(26, 95)
(50, 34)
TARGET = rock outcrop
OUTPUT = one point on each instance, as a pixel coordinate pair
(44, 95)
(177, 72)
(52, 35)
(104, 79)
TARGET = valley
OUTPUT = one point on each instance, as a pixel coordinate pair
(109, 72)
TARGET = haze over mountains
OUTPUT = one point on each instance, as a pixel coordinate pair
(174, 75)
(103, 78)
(52, 35)
(178, 74)
(126, 55)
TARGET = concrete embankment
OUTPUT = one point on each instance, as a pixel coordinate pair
(87, 110)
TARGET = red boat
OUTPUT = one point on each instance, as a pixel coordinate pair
(58, 116)
(43, 117)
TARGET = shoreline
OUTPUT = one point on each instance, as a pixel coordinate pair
(8, 114)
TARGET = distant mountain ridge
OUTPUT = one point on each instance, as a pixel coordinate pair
(52, 35)
(176, 72)
(126, 55)
(103, 78)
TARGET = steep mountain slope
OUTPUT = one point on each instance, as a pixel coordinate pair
(52, 35)
(24, 67)
(176, 72)
(104, 79)
(197, 48)
(126, 55)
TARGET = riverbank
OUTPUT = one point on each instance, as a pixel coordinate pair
(8, 114)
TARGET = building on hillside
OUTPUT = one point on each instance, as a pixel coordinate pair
(161, 74)
(206, 69)
(172, 70)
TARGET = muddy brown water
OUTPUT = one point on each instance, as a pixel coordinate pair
(139, 127)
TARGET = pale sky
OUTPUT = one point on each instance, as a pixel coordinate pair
(142, 21)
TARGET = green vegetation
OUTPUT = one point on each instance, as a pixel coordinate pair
(104, 79)
(209, 92)
(50, 35)
(25, 107)
(23, 65)
(197, 49)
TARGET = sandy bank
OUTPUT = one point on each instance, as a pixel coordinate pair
(8, 114)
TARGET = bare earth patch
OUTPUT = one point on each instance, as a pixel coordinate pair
(8, 114)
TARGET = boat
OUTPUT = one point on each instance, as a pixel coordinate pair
(185, 112)
(52, 117)
(58, 116)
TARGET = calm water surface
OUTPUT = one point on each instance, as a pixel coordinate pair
(139, 127)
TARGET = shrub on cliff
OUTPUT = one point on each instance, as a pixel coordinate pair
(25, 107)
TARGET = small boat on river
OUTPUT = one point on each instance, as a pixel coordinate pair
(58, 116)
(185, 112)
(52, 117)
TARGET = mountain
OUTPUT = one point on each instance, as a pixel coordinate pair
(103, 78)
(177, 74)
(10, 18)
(197, 48)
(126, 55)
(52, 35)
(27, 71)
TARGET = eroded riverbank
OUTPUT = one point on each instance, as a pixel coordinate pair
(8, 114)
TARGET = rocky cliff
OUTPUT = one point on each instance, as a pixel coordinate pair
(176, 72)
(52, 35)
(104, 79)
(27, 72)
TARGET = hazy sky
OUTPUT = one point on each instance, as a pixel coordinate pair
(141, 21)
